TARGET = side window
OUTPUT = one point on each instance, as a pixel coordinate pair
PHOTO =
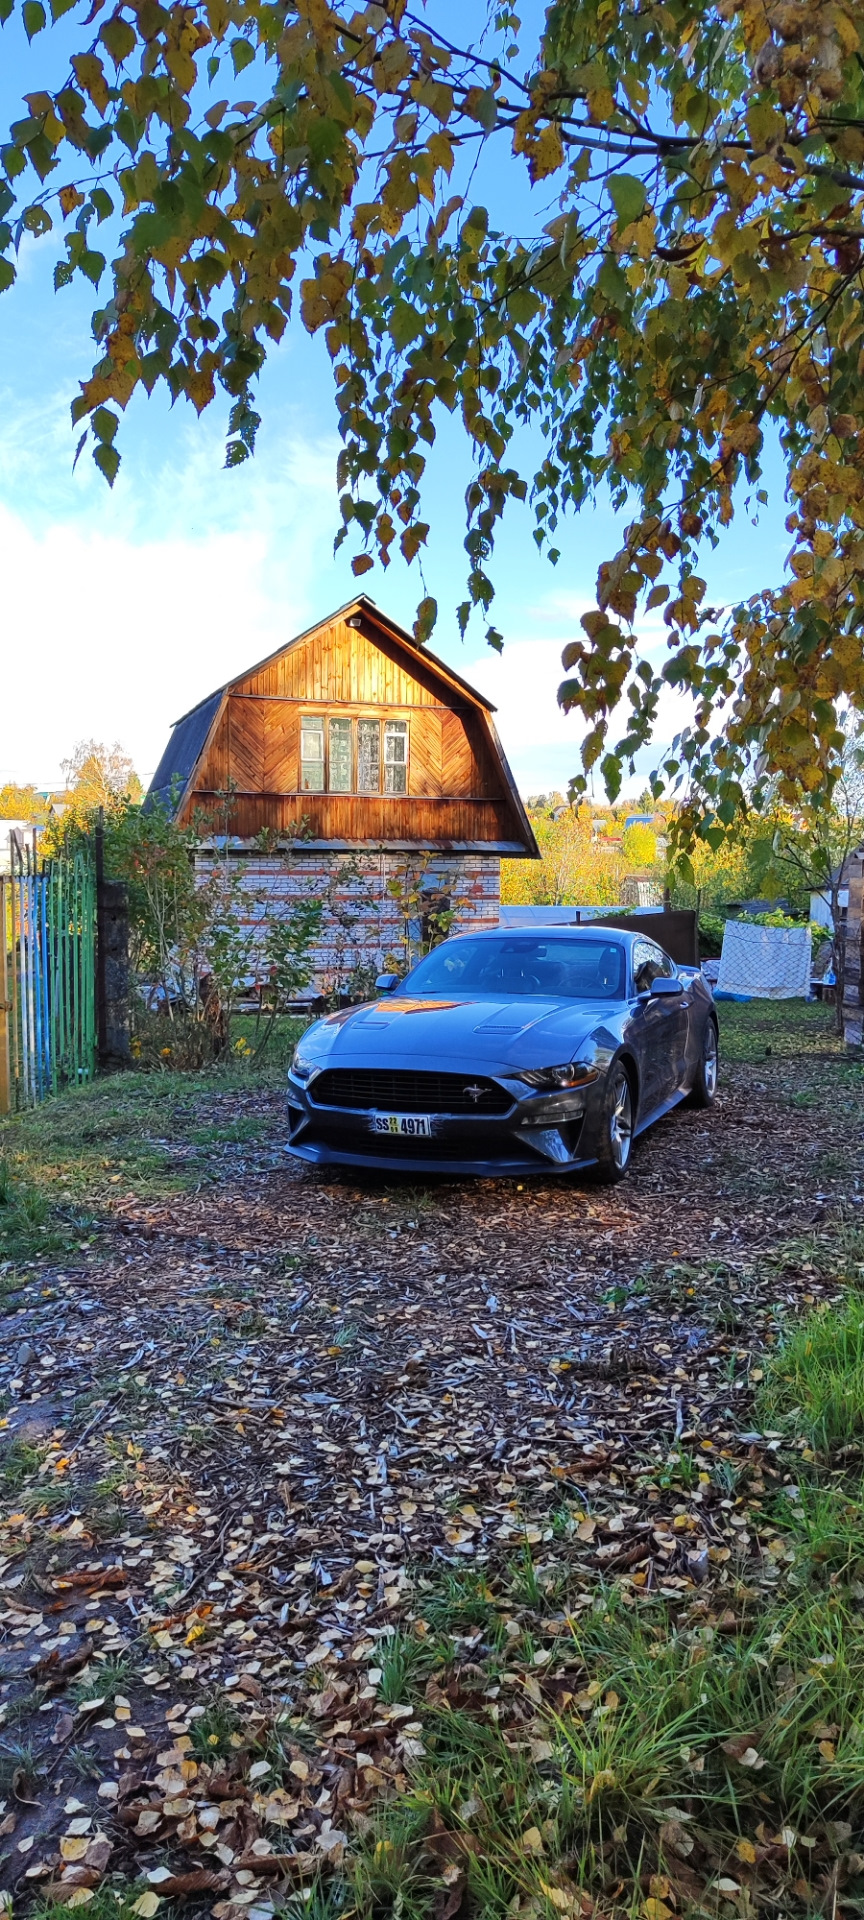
(649, 962)
(340, 756)
(395, 756)
(311, 753)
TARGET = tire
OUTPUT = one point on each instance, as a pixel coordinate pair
(616, 1127)
(704, 1089)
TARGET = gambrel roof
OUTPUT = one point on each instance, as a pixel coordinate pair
(185, 771)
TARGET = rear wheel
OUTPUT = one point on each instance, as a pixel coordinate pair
(616, 1127)
(705, 1084)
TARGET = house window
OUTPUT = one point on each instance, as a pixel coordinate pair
(341, 755)
(395, 756)
(368, 756)
(340, 769)
(311, 754)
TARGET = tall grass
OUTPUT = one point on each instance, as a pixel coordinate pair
(815, 1380)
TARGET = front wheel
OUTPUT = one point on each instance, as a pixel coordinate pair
(705, 1084)
(616, 1128)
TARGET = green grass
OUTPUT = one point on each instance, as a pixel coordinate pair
(113, 1900)
(62, 1164)
(211, 1731)
(103, 1679)
(18, 1463)
(814, 1382)
(663, 1726)
(778, 1030)
(663, 1718)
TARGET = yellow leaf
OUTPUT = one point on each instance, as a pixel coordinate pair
(146, 1906)
(565, 1902)
(548, 153)
(532, 1841)
(73, 1846)
(656, 1910)
(746, 1852)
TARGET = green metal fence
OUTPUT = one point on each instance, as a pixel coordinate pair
(47, 975)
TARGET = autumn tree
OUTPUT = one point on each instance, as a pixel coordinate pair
(684, 285)
(576, 868)
(639, 845)
(101, 776)
(23, 803)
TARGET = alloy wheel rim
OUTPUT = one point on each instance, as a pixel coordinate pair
(621, 1124)
(710, 1059)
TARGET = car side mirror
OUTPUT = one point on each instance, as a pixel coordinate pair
(386, 982)
(666, 987)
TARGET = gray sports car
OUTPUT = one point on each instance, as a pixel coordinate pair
(528, 1051)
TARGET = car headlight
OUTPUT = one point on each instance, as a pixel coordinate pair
(301, 1063)
(550, 1079)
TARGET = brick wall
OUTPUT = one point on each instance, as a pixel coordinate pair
(365, 920)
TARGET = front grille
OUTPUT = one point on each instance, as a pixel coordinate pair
(391, 1091)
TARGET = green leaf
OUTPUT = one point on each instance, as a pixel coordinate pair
(59, 7)
(14, 161)
(93, 265)
(405, 324)
(427, 614)
(7, 274)
(242, 54)
(612, 281)
(105, 425)
(118, 37)
(108, 461)
(628, 196)
(33, 15)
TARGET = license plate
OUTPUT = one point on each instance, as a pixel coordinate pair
(410, 1125)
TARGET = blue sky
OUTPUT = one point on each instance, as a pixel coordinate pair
(122, 608)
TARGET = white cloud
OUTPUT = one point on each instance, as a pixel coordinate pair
(122, 609)
(112, 631)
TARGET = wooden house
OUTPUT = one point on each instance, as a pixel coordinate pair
(375, 772)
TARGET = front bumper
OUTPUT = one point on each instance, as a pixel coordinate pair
(541, 1134)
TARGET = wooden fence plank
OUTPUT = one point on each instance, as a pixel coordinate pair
(5, 1001)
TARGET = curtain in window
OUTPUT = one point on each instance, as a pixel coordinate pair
(368, 756)
(395, 756)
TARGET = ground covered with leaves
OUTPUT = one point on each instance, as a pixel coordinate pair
(475, 1549)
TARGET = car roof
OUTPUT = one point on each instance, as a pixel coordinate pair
(562, 930)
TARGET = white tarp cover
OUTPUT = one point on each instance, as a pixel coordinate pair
(765, 963)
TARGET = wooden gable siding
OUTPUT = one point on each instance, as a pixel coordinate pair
(457, 789)
(338, 664)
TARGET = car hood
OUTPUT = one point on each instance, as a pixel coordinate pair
(495, 1031)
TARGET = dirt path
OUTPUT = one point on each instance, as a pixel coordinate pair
(243, 1420)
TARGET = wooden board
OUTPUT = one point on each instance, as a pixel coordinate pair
(458, 786)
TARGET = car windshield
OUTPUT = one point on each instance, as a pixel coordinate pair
(555, 967)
